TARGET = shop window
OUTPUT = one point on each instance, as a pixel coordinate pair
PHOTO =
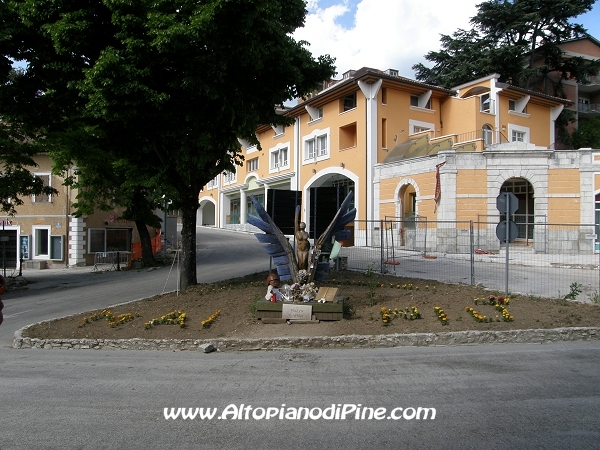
(251, 209)
(109, 240)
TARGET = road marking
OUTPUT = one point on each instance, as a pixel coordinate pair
(16, 314)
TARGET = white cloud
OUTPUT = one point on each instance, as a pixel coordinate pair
(386, 34)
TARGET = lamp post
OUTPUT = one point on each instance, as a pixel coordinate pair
(4, 238)
(165, 229)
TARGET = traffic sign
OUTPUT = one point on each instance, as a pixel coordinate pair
(507, 198)
(513, 231)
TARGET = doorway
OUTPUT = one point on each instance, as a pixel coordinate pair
(524, 215)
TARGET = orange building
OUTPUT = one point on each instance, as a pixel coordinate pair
(409, 149)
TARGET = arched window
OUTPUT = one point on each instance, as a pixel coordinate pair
(487, 135)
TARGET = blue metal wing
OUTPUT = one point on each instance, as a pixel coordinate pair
(275, 243)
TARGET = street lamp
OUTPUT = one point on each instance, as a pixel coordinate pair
(4, 238)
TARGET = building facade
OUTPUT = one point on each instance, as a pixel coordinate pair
(584, 98)
(45, 234)
(408, 149)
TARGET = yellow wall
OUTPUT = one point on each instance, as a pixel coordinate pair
(387, 188)
(268, 140)
(352, 157)
(538, 121)
(564, 209)
(398, 113)
(464, 91)
(462, 116)
(58, 204)
(564, 181)
(387, 210)
(471, 181)
(425, 186)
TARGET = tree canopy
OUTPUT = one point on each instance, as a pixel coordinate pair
(517, 39)
(16, 162)
(587, 134)
(18, 146)
(171, 84)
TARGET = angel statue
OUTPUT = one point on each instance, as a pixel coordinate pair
(278, 247)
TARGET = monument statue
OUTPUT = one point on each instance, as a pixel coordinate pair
(278, 247)
(302, 242)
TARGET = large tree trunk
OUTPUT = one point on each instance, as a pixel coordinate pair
(146, 241)
(188, 246)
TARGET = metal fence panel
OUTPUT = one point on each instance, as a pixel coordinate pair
(104, 261)
(550, 261)
(554, 258)
(414, 248)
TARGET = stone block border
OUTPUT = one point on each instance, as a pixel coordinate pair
(537, 336)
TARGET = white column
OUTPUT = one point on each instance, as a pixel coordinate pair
(554, 113)
(295, 182)
(243, 206)
(266, 201)
(77, 242)
(220, 218)
(370, 91)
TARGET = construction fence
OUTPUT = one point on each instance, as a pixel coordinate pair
(545, 259)
(136, 247)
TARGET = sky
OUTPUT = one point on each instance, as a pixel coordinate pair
(392, 34)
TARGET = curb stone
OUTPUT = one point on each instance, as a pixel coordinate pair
(535, 336)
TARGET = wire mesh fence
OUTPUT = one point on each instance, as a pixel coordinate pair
(550, 260)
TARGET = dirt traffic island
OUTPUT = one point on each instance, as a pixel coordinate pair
(373, 304)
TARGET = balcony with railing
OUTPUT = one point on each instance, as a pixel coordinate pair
(477, 140)
(592, 109)
(593, 79)
(424, 144)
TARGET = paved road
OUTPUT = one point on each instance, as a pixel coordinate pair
(493, 397)
(60, 292)
(501, 396)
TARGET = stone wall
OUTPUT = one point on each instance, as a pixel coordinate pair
(538, 336)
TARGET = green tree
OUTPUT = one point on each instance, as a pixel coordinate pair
(517, 39)
(587, 134)
(18, 146)
(16, 162)
(172, 84)
(103, 179)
